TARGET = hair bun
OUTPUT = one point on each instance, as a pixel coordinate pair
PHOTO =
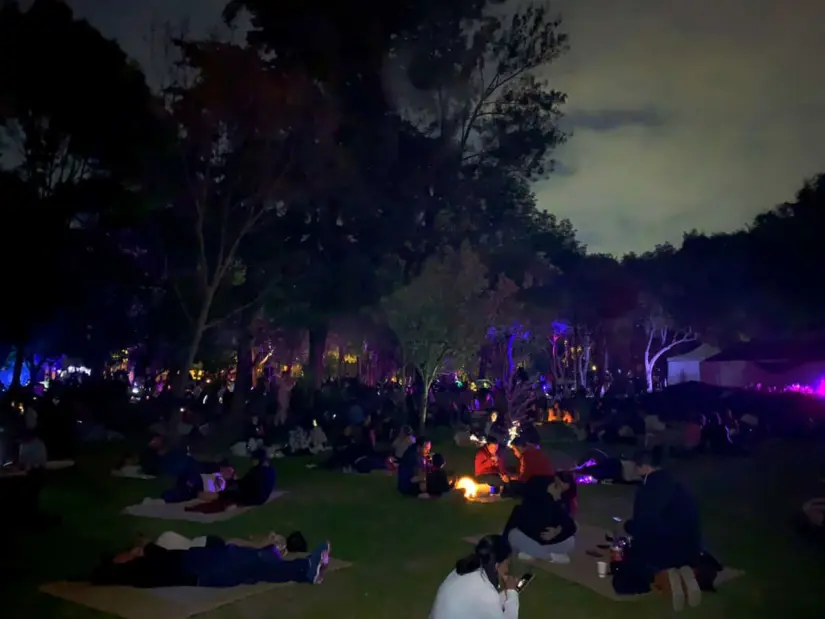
(484, 550)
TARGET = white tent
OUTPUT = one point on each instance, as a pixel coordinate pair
(685, 368)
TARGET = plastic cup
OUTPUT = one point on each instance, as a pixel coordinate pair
(601, 568)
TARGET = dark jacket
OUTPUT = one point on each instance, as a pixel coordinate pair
(255, 487)
(409, 466)
(540, 511)
(666, 526)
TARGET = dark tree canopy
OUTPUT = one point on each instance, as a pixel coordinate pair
(78, 126)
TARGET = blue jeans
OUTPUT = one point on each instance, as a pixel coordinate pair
(520, 542)
(231, 566)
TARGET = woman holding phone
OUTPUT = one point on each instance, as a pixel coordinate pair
(481, 586)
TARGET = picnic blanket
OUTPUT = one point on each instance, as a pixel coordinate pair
(131, 472)
(51, 465)
(164, 603)
(582, 567)
(177, 511)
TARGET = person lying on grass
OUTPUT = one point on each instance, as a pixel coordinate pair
(204, 481)
(251, 490)
(175, 561)
(611, 471)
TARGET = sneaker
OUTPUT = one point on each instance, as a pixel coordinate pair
(694, 592)
(318, 561)
(559, 558)
(677, 591)
(523, 556)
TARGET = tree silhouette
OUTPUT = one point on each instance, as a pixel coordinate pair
(78, 128)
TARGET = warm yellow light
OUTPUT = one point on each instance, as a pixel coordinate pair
(593, 367)
(350, 359)
(469, 487)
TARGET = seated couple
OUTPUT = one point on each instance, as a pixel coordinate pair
(422, 474)
(159, 460)
(216, 486)
(356, 451)
(490, 467)
(543, 526)
(175, 561)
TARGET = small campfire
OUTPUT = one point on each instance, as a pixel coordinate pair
(563, 417)
(471, 489)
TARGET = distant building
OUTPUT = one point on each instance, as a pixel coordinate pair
(686, 368)
(773, 364)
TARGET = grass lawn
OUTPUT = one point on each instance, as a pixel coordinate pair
(403, 548)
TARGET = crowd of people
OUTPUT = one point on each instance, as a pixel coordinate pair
(346, 427)
(663, 540)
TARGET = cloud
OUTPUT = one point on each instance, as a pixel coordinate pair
(686, 115)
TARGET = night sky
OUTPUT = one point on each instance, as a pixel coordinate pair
(687, 113)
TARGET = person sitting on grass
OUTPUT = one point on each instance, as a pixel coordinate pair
(413, 469)
(542, 527)
(532, 461)
(399, 446)
(204, 481)
(157, 460)
(489, 465)
(666, 534)
(208, 562)
(21, 492)
(480, 586)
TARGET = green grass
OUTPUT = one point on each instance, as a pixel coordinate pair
(403, 548)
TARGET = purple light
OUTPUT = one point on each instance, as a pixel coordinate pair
(817, 391)
(584, 465)
(586, 479)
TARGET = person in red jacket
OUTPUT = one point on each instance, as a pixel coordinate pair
(489, 466)
(533, 462)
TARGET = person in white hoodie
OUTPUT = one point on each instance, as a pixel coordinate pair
(480, 587)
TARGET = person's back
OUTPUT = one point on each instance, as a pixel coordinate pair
(666, 522)
(258, 483)
(468, 596)
(33, 454)
(408, 467)
(535, 463)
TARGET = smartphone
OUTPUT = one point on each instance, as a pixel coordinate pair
(523, 582)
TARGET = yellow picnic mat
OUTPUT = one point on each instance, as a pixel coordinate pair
(582, 567)
(164, 603)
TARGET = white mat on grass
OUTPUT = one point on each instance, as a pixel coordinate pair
(582, 567)
(131, 472)
(52, 465)
(177, 511)
(163, 603)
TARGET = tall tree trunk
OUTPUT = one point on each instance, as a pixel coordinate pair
(17, 372)
(243, 377)
(422, 409)
(317, 346)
